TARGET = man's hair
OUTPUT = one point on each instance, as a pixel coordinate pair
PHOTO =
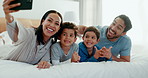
(93, 29)
(127, 22)
(68, 25)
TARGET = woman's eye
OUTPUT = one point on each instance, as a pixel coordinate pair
(57, 24)
(49, 20)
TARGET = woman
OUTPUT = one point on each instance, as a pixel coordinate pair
(32, 45)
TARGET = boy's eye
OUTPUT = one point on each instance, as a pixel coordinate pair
(71, 35)
(93, 38)
(86, 36)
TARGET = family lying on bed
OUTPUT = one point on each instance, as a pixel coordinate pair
(39, 46)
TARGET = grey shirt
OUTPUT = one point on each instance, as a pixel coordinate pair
(58, 55)
(26, 47)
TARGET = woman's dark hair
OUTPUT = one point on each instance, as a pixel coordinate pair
(68, 25)
(127, 22)
(39, 30)
(93, 29)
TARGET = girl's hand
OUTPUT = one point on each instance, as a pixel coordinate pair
(43, 65)
(75, 57)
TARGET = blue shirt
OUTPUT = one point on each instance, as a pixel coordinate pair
(85, 57)
(121, 47)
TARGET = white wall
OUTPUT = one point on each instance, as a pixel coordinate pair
(137, 12)
(41, 6)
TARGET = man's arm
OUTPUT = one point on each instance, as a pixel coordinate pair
(121, 59)
(81, 29)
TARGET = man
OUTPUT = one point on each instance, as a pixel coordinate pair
(115, 36)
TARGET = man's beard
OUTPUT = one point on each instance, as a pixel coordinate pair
(115, 37)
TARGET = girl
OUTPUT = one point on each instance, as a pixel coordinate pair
(66, 49)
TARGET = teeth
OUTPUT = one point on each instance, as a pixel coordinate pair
(111, 32)
(49, 29)
(89, 43)
(66, 41)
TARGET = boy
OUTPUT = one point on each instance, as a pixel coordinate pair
(88, 50)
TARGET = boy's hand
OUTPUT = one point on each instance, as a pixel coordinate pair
(97, 53)
(75, 57)
(43, 65)
(106, 52)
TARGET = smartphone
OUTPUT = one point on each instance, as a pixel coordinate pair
(25, 4)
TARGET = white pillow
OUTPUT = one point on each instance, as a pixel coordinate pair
(5, 50)
(1, 41)
(5, 38)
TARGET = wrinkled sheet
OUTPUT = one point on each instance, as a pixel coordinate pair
(137, 68)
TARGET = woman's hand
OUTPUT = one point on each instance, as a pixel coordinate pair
(43, 65)
(7, 11)
(7, 7)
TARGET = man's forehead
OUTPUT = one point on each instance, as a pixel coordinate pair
(120, 22)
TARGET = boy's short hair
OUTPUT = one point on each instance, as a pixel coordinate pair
(94, 29)
(68, 25)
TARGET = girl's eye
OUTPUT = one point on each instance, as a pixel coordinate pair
(64, 34)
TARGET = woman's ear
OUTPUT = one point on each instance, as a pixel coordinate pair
(42, 21)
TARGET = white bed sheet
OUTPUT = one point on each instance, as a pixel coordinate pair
(137, 68)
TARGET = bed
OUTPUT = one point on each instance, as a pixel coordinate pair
(137, 68)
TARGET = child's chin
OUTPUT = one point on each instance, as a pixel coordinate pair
(89, 46)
